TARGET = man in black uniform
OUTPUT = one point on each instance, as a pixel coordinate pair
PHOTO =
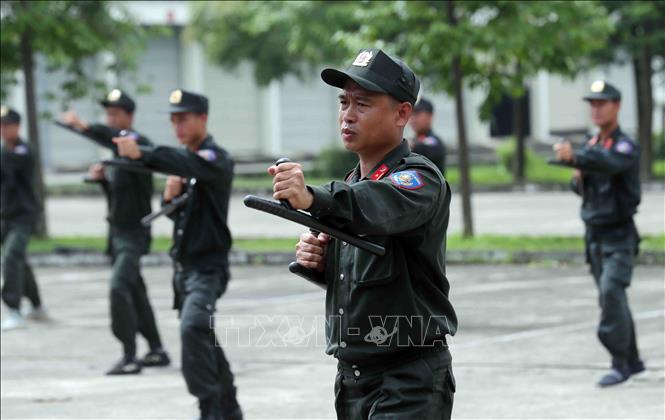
(387, 317)
(201, 243)
(607, 178)
(19, 210)
(427, 143)
(128, 195)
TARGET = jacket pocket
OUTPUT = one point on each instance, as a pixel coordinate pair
(373, 270)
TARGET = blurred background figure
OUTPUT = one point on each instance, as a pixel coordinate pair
(18, 214)
(425, 142)
(128, 195)
(608, 179)
(201, 244)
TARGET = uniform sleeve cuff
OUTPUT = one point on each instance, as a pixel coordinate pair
(322, 204)
(579, 159)
(147, 152)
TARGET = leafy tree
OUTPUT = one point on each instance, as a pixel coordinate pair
(66, 34)
(639, 39)
(527, 37)
(496, 46)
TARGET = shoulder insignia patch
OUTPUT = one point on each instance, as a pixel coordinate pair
(409, 180)
(625, 147)
(430, 141)
(207, 154)
(21, 149)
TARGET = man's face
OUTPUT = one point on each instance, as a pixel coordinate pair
(604, 112)
(421, 122)
(9, 131)
(188, 126)
(370, 120)
(118, 118)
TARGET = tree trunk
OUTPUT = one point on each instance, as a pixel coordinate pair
(465, 178)
(643, 74)
(518, 125)
(33, 131)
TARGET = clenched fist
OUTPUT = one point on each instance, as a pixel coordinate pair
(96, 172)
(128, 147)
(73, 120)
(564, 152)
(288, 183)
(311, 251)
(174, 186)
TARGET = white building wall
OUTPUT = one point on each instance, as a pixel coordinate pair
(158, 69)
(235, 109)
(308, 115)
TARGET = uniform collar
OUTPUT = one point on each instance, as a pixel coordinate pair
(616, 134)
(385, 166)
(206, 143)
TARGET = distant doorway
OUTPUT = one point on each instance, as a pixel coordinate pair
(503, 118)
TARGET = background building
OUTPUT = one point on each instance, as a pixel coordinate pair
(298, 117)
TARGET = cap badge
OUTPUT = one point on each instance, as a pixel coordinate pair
(363, 59)
(176, 96)
(597, 86)
(113, 95)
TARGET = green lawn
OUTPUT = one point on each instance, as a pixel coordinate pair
(538, 171)
(455, 242)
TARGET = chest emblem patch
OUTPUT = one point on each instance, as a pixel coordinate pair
(409, 180)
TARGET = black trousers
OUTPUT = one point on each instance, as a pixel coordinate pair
(131, 311)
(421, 388)
(612, 269)
(204, 365)
(19, 279)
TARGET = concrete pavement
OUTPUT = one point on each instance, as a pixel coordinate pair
(526, 348)
(526, 213)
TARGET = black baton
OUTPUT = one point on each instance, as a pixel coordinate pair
(166, 210)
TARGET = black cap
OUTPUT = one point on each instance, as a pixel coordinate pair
(119, 99)
(9, 116)
(423, 105)
(184, 101)
(376, 71)
(603, 91)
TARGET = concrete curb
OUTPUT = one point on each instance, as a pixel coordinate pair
(82, 258)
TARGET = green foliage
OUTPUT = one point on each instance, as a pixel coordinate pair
(659, 145)
(659, 169)
(638, 25)
(501, 43)
(68, 34)
(481, 175)
(334, 163)
(537, 169)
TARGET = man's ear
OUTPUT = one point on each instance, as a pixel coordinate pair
(404, 111)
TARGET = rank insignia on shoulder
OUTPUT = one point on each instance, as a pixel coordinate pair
(625, 147)
(207, 154)
(409, 180)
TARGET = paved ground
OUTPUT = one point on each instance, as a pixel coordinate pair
(536, 213)
(526, 349)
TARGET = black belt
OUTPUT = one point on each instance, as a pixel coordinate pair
(364, 369)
